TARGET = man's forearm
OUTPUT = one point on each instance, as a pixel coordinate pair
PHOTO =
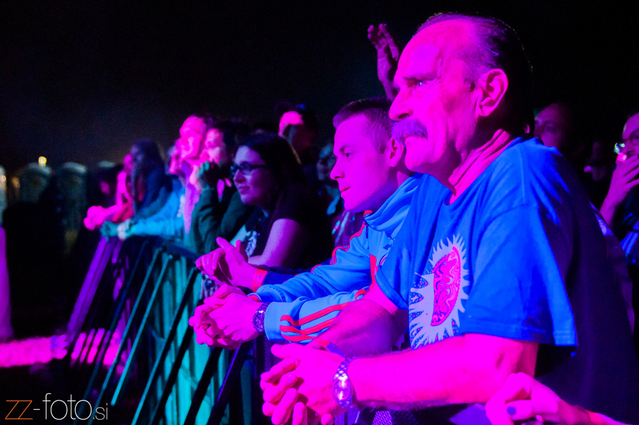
(465, 369)
(365, 328)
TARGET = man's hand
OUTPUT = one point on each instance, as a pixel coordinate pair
(387, 56)
(522, 397)
(228, 264)
(282, 402)
(233, 313)
(313, 375)
(204, 327)
(624, 178)
(207, 175)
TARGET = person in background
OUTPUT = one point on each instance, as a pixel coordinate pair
(299, 126)
(620, 208)
(120, 211)
(151, 186)
(387, 57)
(168, 222)
(556, 126)
(219, 211)
(326, 188)
(370, 170)
(287, 227)
(192, 135)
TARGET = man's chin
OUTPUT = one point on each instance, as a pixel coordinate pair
(417, 166)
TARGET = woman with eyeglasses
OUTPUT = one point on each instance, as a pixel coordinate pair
(288, 227)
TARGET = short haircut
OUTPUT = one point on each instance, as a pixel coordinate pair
(208, 119)
(375, 109)
(498, 47)
(233, 131)
(308, 115)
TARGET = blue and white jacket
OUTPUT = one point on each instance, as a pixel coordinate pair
(305, 305)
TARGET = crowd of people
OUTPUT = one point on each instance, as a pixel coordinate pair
(448, 255)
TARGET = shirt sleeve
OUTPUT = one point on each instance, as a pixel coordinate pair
(213, 218)
(348, 270)
(519, 293)
(304, 319)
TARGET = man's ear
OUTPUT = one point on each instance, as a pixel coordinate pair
(395, 151)
(492, 86)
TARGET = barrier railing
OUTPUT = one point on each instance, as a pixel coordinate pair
(132, 348)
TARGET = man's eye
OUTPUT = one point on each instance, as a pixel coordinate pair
(420, 83)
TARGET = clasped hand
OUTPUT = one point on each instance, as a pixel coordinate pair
(225, 319)
(302, 380)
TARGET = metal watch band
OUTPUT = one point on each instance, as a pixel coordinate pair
(343, 390)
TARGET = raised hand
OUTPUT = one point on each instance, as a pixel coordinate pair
(214, 266)
(387, 56)
(228, 264)
(624, 178)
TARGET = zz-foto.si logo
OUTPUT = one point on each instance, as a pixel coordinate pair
(56, 410)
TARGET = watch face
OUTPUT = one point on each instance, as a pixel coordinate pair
(342, 390)
(257, 325)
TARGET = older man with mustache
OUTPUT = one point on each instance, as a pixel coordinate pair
(502, 269)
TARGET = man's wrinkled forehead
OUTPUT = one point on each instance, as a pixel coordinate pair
(435, 45)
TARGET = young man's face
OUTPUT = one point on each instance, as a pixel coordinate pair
(362, 173)
(192, 135)
(435, 102)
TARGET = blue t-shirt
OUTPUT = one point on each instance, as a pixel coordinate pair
(513, 256)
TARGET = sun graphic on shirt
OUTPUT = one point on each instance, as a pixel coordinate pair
(435, 301)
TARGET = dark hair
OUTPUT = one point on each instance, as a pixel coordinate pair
(375, 109)
(308, 115)
(208, 119)
(278, 155)
(151, 151)
(634, 111)
(498, 47)
(233, 131)
(151, 160)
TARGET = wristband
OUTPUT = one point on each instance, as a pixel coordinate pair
(258, 279)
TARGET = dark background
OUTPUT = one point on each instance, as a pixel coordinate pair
(80, 80)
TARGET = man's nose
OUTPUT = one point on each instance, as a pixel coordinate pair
(400, 108)
(336, 172)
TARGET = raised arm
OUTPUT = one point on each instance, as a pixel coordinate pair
(387, 57)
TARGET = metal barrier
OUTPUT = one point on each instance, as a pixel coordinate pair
(132, 317)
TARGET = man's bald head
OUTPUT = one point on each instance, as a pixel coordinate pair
(485, 43)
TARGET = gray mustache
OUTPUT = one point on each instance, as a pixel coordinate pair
(406, 128)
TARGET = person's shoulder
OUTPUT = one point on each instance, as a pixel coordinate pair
(529, 171)
(528, 160)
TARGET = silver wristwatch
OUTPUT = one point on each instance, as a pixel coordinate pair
(258, 317)
(343, 390)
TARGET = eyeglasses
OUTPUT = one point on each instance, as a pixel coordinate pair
(632, 140)
(245, 168)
